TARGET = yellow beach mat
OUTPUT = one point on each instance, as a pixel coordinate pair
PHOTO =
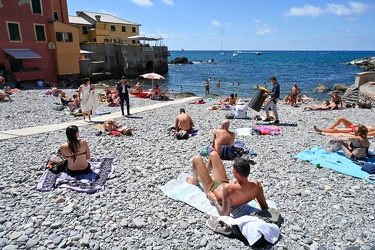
(99, 127)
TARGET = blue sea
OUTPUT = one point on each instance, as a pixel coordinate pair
(307, 68)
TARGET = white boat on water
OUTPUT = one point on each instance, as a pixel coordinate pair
(235, 53)
(221, 49)
(258, 53)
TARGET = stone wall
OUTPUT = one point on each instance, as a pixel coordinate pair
(117, 60)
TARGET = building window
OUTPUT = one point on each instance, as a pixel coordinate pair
(113, 27)
(64, 36)
(114, 40)
(40, 33)
(85, 30)
(14, 31)
(123, 28)
(56, 15)
(36, 7)
(134, 30)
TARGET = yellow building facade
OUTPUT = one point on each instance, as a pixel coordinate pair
(104, 28)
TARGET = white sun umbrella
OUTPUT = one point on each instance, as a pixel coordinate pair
(152, 76)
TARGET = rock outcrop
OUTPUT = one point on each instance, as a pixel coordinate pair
(322, 88)
(340, 87)
(181, 60)
(367, 63)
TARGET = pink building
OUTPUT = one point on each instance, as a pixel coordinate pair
(37, 41)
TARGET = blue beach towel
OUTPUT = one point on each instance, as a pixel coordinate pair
(335, 161)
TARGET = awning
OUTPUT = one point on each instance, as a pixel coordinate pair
(85, 52)
(22, 53)
(146, 38)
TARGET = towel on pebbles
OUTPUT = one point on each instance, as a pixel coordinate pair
(90, 183)
(178, 189)
(335, 161)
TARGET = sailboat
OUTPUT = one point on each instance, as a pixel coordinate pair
(221, 49)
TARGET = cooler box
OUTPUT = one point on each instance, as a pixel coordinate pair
(256, 102)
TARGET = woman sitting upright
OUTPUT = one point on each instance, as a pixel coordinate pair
(354, 148)
(76, 152)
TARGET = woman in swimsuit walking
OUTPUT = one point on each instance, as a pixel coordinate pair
(354, 148)
(76, 152)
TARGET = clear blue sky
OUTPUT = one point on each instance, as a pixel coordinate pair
(247, 24)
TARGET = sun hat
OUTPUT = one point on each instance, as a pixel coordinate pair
(240, 102)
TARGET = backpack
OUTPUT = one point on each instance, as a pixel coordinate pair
(56, 163)
(182, 135)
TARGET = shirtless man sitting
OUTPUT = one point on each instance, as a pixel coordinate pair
(219, 190)
(184, 122)
(223, 136)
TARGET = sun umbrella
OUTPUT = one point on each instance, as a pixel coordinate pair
(152, 76)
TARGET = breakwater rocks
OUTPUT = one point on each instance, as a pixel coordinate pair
(180, 60)
(367, 63)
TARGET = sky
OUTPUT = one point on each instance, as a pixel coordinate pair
(246, 24)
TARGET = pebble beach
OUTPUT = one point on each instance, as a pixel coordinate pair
(322, 209)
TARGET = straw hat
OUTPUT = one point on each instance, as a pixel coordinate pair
(240, 102)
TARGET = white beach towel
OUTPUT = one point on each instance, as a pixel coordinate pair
(243, 131)
(178, 189)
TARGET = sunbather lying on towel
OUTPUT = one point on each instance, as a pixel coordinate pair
(354, 148)
(219, 190)
(348, 129)
(325, 106)
(76, 152)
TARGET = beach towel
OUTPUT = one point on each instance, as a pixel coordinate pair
(335, 161)
(99, 112)
(179, 190)
(243, 131)
(266, 130)
(90, 183)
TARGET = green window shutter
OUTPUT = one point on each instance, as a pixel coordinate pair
(36, 6)
(40, 35)
(59, 36)
(14, 32)
(70, 36)
(123, 28)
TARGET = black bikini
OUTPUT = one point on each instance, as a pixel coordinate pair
(74, 157)
(354, 147)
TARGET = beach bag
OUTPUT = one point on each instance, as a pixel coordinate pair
(368, 167)
(227, 152)
(127, 131)
(57, 164)
(182, 135)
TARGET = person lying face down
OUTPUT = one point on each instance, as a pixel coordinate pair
(219, 190)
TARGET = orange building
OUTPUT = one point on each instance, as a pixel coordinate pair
(37, 41)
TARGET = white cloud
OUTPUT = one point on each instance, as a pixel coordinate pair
(335, 9)
(306, 10)
(216, 23)
(168, 2)
(262, 28)
(143, 3)
(341, 10)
